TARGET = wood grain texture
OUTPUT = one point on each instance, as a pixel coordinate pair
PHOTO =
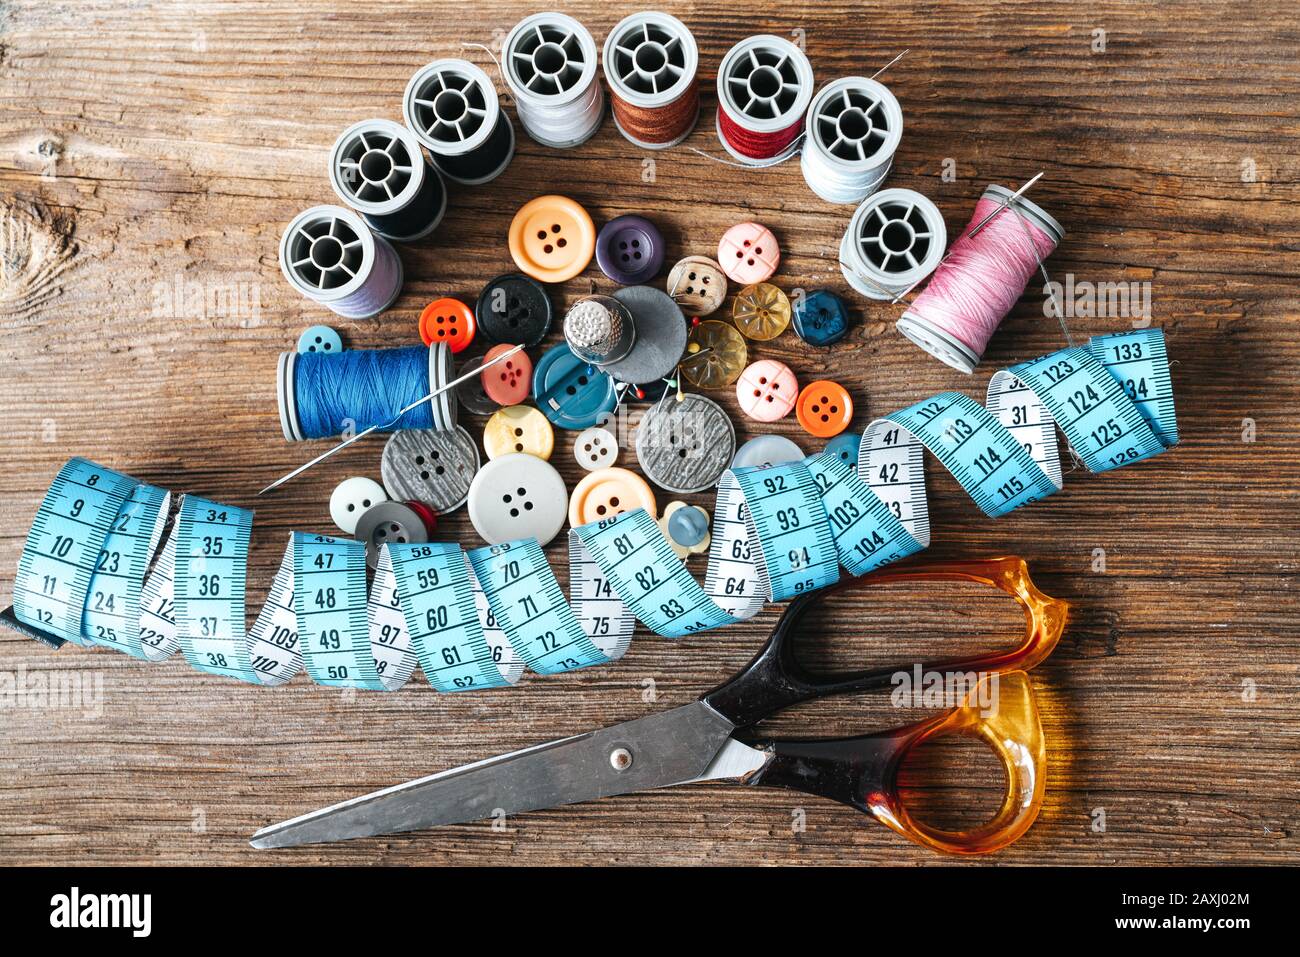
(144, 144)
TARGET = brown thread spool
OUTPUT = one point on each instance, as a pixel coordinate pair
(650, 61)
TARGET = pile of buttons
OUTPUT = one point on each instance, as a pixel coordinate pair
(637, 343)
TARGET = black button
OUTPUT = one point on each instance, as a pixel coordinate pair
(514, 309)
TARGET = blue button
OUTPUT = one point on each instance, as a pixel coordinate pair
(571, 393)
(687, 526)
(845, 445)
(319, 339)
(821, 317)
(767, 450)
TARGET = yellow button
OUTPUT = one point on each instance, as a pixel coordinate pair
(761, 311)
(552, 238)
(518, 428)
(722, 355)
(605, 493)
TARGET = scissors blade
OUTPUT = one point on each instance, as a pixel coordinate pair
(668, 748)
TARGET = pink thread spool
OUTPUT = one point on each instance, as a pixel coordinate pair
(981, 280)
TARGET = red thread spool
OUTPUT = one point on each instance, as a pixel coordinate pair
(765, 84)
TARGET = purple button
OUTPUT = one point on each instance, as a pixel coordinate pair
(629, 250)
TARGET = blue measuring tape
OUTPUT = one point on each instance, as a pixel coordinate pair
(103, 566)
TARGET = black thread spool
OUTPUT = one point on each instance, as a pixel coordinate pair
(378, 168)
(452, 108)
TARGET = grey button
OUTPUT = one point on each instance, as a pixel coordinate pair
(660, 336)
(388, 522)
(470, 393)
(431, 467)
(685, 446)
(767, 450)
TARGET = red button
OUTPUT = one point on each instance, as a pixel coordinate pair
(824, 408)
(508, 382)
(448, 320)
(427, 515)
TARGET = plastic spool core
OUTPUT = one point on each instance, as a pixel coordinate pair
(765, 84)
(650, 61)
(550, 61)
(895, 238)
(378, 168)
(329, 255)
(452, 108)
(854, 125)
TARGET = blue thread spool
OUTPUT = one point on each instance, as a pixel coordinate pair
(322, 395)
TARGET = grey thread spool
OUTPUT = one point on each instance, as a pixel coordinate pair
(764, 85)
(453, 109)
(599, 330)
(650, 61)
(331, 256)
(852, 130)
(895, 238)
(378, 168)
(549, 61)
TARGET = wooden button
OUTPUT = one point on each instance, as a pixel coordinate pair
(698, 285)
(448, 320)
(824, 408)
(552, 238)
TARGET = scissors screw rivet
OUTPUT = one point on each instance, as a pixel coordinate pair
(620, 759)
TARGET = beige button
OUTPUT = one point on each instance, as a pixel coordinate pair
(605, 493)
(698, 285)
(518, 428)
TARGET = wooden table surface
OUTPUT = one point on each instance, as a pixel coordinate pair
(147, 145)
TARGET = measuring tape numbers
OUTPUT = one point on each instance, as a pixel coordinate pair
(106, 564)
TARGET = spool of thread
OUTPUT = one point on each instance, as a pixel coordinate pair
(765, 84)
(895, 238)
(982, 278)
(853, 128)
(549, 61)
(330, 256)
(323, 395)
(453, 109)
(599, 330)
(650, 62)
(378, 168)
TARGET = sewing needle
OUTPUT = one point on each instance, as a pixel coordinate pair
(361, 435)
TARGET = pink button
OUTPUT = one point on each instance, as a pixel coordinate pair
(748, 253)
(508, 382)
(767, 390)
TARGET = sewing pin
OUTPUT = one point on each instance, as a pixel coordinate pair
(418, 402)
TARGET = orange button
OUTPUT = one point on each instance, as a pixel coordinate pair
(605, 493)
(448, 320)
(552, 238)
(824, 408)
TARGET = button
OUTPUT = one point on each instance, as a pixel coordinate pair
(767, 390)
(552, 238)
(686, 527)
(596, 448)
(448, 320)
(470, 393)
(767, 450)
(660, 336)
(824, 408)
(845, 446)
(508, 382)
(820, 317)
(571, 393)
(386, 523)
(518, 428)
(761, 311)
(605, 493)
(431, 467)
(427, 515)
(748, 253)
(685, 446)
(629, 250)
(698, 285)
(722, 364)
(517, 496)
(514, 309)
(319, 339)
(351, 498)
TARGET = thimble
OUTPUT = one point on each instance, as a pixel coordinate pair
(599, 330)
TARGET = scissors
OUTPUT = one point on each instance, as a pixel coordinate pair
(713, 739)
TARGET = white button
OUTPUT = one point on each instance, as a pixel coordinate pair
(596, 448)
(518, 496)
(351, 497)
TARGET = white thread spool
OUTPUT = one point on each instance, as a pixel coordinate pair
(330, 256)
(853, 128)
(895, 238)
(453, 109)
(650, 61)
(765, 84)
(378, 168)
(549, 61)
